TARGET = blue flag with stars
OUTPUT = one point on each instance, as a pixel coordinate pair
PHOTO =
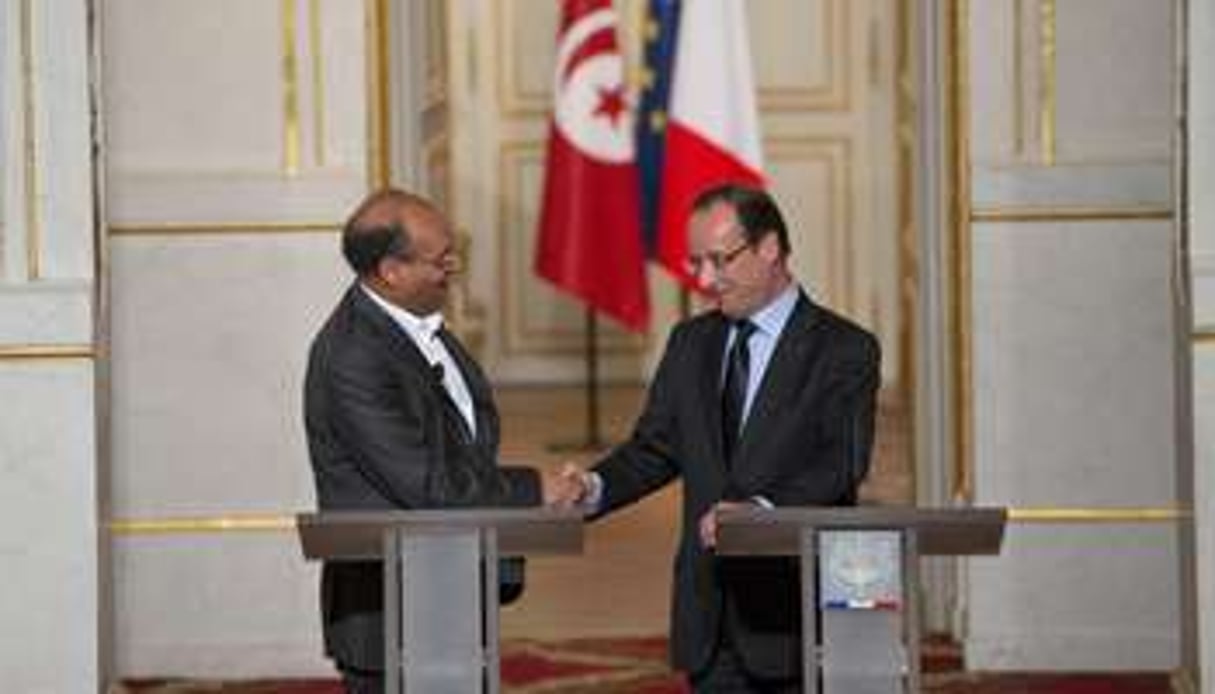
(661, 31)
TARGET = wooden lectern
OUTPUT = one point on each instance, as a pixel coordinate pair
(440, 582)
(860, 581)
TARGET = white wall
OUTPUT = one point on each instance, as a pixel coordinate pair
(228, 175)
(1071, 332)
(1201, 212)
(50, 607)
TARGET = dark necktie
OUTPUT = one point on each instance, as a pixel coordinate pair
(734, 392)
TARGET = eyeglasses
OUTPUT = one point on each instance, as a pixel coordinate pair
(447, 260)
(719, 260)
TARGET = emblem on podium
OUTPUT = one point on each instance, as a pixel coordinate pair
(860, 570)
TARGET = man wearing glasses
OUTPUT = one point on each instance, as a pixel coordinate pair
(769, 399)
(398, 414)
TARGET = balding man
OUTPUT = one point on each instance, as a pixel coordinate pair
(398, 414)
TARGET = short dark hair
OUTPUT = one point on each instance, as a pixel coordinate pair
(757, 212)
(365, 243)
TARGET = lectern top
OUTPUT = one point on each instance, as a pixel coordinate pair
(359, 535)
(943, 531)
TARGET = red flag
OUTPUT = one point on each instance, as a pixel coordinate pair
(590, 222)
(713, 129)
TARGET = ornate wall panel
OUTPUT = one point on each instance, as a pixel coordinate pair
(1066, 364)
(803, 52)
(212, 119)
(812, 178)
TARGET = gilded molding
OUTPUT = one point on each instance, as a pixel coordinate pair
(220, 227)
(29, 127)
(292, 144)
(1048, 85)
(1096, 515)
(908, 259)
(317, 49)
(282, 522)
(379, 114)
(1018, 79)
(195, 525)
(1069, 214)
(46, 352)
(960, 269)
(1203, 336)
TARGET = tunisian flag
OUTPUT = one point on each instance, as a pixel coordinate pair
(590, 241)
(713, 129)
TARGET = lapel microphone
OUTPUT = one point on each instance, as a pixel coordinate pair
(437, 369)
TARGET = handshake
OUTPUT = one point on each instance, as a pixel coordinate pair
(568, 488)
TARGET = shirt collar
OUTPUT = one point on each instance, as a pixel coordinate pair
(420, 328)
(772, 317)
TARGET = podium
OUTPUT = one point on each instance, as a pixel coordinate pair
(860, 581)
(440, 582)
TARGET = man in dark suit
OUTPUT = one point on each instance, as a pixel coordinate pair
(398, 414)
(768, 400)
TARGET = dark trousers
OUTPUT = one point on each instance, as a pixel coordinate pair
(726, 674)
(362, 681)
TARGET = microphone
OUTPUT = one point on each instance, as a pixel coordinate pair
(437, 369)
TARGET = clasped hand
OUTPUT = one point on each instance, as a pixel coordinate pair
(566, 488)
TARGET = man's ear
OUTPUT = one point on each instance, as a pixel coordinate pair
(769, 246)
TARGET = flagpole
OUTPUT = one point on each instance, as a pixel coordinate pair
(593, 440)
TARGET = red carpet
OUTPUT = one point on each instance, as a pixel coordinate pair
(638, 666)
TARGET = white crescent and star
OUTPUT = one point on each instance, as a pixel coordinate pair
(592, 109)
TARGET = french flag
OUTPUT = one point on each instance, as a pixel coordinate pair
(712, 129)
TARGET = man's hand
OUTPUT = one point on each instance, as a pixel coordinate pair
(708, 522)
(565, 488)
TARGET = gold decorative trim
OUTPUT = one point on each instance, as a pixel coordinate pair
(195, 525)
(318, 81)
(292, 145)
(46, 352)
(29, 125)
(219, 227)
(379, 115)
(282, 522)
(959, 230)
(908, 259)
(1018, 78)
(1203, 336)
(1096, 515)
(1070, 214)
(1048, 88)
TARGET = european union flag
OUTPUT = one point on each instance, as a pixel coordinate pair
(661, 31)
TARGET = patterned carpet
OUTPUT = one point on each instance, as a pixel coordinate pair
(638, 666)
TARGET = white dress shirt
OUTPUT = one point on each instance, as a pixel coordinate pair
(424, 331)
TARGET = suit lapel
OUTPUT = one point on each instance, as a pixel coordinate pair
(791, 355)
(713, 349)
(404, 346)
(478, 390)
(392, 333)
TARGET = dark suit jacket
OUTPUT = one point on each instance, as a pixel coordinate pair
(383, 434)
(806, 441)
